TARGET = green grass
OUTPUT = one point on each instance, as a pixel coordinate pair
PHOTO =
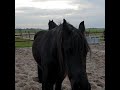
(36, 30)
(19, 39)
(19, 42)
(28, 30)
(95, 30)
(23, 44)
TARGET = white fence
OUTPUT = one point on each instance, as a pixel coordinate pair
(93, 39)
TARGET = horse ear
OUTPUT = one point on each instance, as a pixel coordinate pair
(64, 24)
(82, 27)
(52, 20)
(65, 27)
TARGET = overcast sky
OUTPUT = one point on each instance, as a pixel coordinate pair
(37, 13)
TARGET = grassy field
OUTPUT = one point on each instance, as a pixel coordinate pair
(19, 42)
(92, 30)
(27, 30)
(23, 44)
(95, 30)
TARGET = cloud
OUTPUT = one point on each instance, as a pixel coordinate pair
(31, 11)
(47, 0)
(31, 15)
(92, 12)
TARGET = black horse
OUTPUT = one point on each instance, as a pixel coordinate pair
(51, 25)
(59, 52)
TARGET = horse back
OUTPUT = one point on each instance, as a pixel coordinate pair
(40, 33)
(44, 47)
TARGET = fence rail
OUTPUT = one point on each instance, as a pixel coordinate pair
(27, 35)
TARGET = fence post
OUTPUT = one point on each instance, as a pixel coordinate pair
(29, 34)
(25, 34)
(21, 33)
(89, 32)
(35, 31)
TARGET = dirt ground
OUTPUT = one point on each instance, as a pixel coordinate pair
(26, 70)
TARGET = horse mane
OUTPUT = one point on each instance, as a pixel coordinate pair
(58, 34)
(59, 46)
(77, 33)
(79, 43)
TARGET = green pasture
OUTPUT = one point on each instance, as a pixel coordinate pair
(19, 42)
(92, 30)
(95, 30)
(27, 30)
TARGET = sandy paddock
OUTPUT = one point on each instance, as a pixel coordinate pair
(26, 69)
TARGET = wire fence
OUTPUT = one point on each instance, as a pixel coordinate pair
(28, 35)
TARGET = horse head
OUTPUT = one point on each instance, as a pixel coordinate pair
(75, 48)
(52, 24)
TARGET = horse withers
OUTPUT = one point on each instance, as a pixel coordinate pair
(59, 52)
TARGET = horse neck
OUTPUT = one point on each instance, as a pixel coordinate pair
(51, 27)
